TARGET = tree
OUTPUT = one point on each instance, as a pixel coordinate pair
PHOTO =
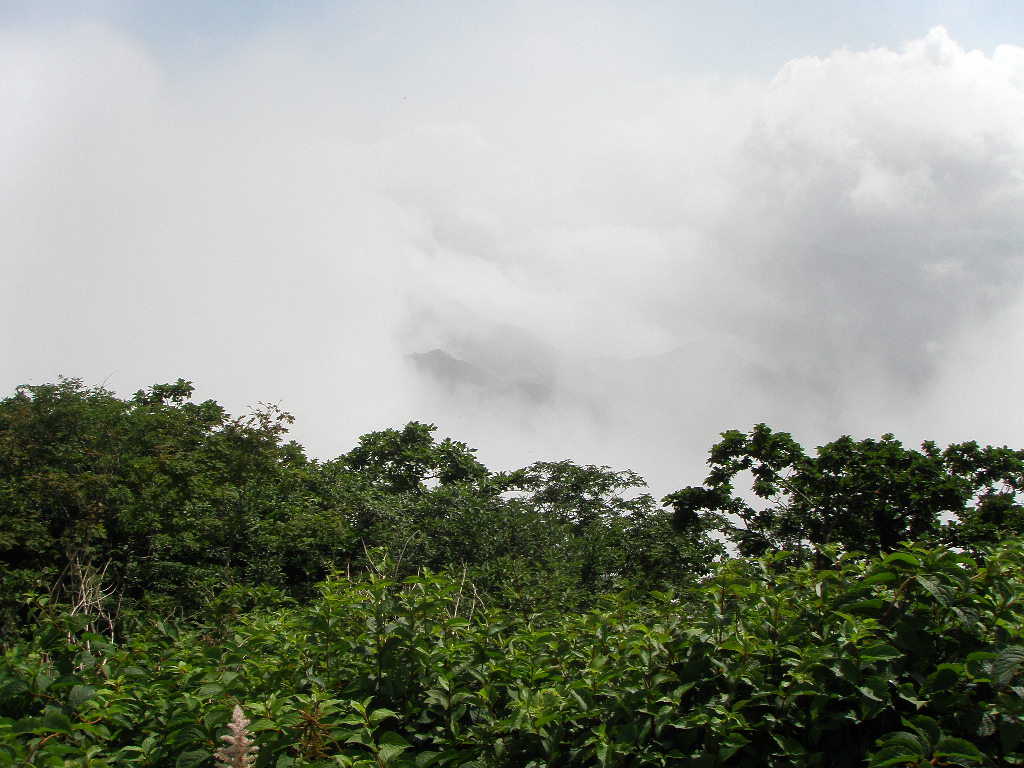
(996, 478)
(866, 495)
(410, 460)
(171, 500)
(599, 523)
(56, 453)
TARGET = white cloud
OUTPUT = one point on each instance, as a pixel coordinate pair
(642, 259)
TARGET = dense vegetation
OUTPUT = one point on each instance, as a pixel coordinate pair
(402, 605)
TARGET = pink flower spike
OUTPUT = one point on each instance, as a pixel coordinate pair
(240, 750)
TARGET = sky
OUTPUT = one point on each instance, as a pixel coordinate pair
(605, 231)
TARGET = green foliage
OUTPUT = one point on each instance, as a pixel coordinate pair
(409, 460)
(597, 523)
(996, 477)
(171, 501)
(122, 507)
(924, 743)
(162, 562)
(913, 658)
(868, 495)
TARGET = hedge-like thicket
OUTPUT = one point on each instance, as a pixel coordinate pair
(914, 658)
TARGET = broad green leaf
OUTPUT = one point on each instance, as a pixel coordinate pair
(902, 557)
(910, 743)
(959, 751)
(882, 577)
(895, 755)
(96, 729)
(191, 758)
(215, 718)
(926, 727)
(98, 641)
(80, 694)
(366, 739)
(879, 652)
(390, 745)
(1007, 665)
(942, 679)
(379, 715)
(55, 720)
(942, 594)
(209, 690)
(868, 607)
(427, 759)
(12, 688)
(26, 725)
(872, 690)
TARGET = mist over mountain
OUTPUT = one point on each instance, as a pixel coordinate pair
(593, 244)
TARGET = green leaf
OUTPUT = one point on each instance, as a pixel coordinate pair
(869, 692)
(1006, 665)
(209, 690)
(26, 725)
(95, 640)
(791, 747)
(390, 746)
(927, 728)
(12, 688)
(261, 724)
(863, 607)
(55, 720)
(878, 578)
(876, 688)
(902, 557)
(379, 715)
(80, 694)
(427, 759)
(942, 679)
(987, 726)
(880, 652)
(909, 743)
(893, 756)
(942, 594)
(392, 738)
(96, 729)
(191, 758)
(78, 622)
(960, 751)
(214, 718)
(366, 739)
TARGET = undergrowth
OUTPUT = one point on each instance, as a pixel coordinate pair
(914, 658)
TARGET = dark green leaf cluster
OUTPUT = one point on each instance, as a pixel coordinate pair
(914, 658)
(162, 562)
(112, 506)
(867, 496)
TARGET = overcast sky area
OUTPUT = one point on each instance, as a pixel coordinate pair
(604, 231)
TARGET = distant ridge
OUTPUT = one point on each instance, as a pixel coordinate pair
(452, 372)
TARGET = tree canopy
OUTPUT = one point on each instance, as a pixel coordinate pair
(158, 500)
(867, 495)
(403, 605)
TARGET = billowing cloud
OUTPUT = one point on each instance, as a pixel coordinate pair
(547, 250)
(813, 252)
